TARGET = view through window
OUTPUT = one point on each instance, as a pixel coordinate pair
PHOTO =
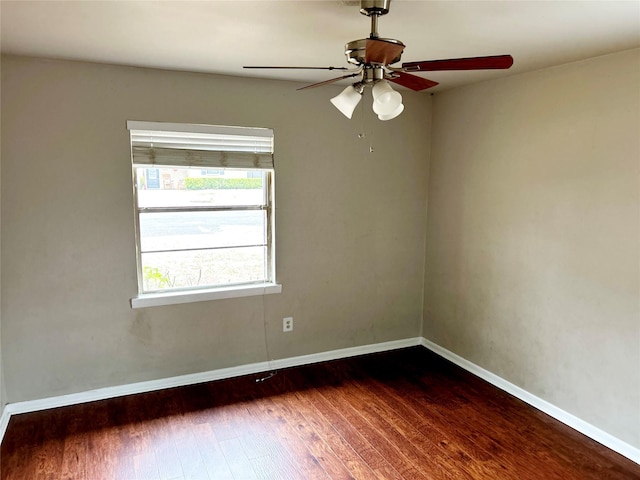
(204, 225)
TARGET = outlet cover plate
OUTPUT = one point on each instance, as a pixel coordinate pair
(287, 324)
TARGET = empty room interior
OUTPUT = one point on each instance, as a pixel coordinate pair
(446, 287)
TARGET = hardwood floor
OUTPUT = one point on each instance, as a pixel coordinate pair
(407, 414)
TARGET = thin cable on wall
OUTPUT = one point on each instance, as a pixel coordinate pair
(272, 373)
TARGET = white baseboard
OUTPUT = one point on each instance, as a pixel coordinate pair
(4, 422)
(574, 422)
(191, 379)
(345, 353)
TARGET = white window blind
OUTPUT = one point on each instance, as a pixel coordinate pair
(193, 145)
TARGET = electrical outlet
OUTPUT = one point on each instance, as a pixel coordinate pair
(287, 324)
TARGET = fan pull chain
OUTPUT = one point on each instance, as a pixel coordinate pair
(362, 134)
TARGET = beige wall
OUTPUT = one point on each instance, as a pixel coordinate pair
(2, 390)
(350, 226)
(532, 265)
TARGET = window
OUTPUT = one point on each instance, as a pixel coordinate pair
(203, 211)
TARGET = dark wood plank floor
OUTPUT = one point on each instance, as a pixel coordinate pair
(407, 414)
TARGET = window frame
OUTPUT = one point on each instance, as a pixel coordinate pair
(146, 297)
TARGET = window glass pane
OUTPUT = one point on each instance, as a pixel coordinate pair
(186, 187)
(202, 268)
(196, 230)
(205, 225)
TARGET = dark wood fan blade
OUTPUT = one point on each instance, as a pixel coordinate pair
(412, 81)
(301, 68)
(382, 51)
(326, 82)
(473, 63)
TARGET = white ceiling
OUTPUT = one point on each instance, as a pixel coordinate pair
(222, 36)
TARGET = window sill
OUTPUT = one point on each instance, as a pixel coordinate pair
(172, 298)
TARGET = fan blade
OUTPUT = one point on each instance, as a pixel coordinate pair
(382, 51)
(326, 82)
(302, 68)
(412, 81)
(474, 63)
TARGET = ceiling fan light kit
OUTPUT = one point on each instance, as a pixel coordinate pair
(373, 57)
(348, 100)
(392, 115)
(385, 99)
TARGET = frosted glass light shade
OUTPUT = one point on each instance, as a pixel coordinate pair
(385, 100)
(393, 114)
(347, 101)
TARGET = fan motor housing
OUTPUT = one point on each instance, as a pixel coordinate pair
(356, 50)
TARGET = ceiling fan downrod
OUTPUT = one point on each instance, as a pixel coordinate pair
(374, 9)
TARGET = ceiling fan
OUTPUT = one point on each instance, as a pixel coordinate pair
(374, 57)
